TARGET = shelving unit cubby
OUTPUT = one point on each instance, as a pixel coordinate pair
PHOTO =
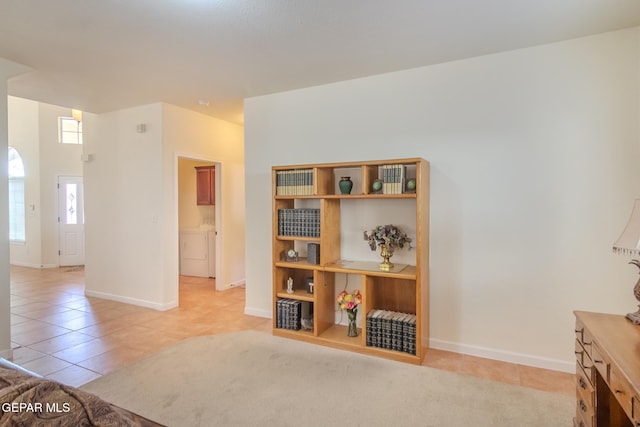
(403, 291)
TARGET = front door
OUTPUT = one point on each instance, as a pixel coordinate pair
(71, 220)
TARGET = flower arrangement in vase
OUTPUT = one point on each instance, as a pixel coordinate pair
(349, 303)
(387, 238)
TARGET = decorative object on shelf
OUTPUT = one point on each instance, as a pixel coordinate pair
(376, 186)
(313, 253)
(310, 285)
(629, 244)
(386, 253)
(291, 256)
(345, 185)
(387, 238)
(349, 303)
(289, 285)
(307, 323)
(411, 185)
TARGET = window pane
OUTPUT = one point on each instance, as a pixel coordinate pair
(71, 203)
(69, 138)
(70, 130)
(69, 125)
(16, 197)
(16, 167)
(16, 210)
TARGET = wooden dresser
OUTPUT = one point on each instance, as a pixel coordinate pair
(607, 371)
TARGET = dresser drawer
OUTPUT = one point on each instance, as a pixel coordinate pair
(621, 390)
(579, 330)
(584, 413)
(600, 363)
(585, 398)
(587, 342)
(579, 351)
(584, 381)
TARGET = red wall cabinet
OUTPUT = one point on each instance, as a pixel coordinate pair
(206, 185)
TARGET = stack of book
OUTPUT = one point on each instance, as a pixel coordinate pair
(296, 182)
(393, 178)
(301, 222)
(289, 313)
(391, 330)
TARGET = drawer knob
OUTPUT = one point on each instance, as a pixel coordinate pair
(583, 406)
(583, 383)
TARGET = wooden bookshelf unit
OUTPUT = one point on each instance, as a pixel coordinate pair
(314, 189)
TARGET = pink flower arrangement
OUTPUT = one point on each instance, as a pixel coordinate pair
(348, 301)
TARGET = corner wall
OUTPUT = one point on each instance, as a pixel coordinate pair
(7, 70)
(196, 136)
(131, 204)
(123, 207)
(534, 157)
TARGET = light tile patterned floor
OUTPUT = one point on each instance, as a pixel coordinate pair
(60, 333)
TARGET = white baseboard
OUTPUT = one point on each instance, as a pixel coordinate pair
(228, 286)
(133, 301)
(257, 312)
(26, 264)
(7, 354)
(237, 283)
(505, 356)
(471, 350)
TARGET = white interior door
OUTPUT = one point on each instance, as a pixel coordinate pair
(71, 220)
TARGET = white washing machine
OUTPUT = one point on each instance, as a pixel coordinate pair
(198, 252)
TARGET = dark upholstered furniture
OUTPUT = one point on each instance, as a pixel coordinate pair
(27, 399)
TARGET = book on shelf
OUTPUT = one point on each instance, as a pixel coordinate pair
(302, 222)
(393, 178)
(295, 182)
(289, 313)
(391, 330)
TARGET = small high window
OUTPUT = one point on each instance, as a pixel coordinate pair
(70, 130)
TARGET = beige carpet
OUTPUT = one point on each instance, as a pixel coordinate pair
(254, 379)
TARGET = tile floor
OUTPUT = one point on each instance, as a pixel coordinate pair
(60, 333)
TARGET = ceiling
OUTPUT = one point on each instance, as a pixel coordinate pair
(100, 56)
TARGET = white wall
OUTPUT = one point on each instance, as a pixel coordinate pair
(534, 157)
(33, 131)
(123, 207)
(196, 136)
(131, 204)
(7, 69)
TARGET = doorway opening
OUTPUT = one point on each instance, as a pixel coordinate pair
(198, 219)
